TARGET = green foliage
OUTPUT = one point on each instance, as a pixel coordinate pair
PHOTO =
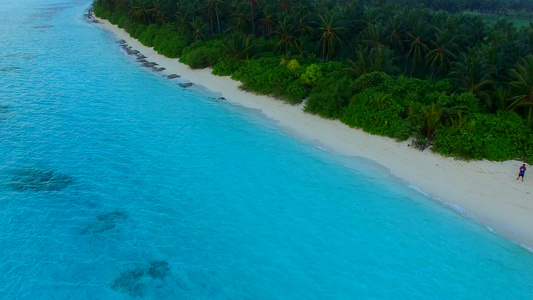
(432, 116)
(379, 81)
(121, 20)
(135, 29)
(331, 92)
(202, 54)
(267, 76)
(148, 36)
(311, 75)
(444, 86)
(100, 11)
(170, 43)
(226, 66)
(466, 102)
(117, 19)
(329, 101)
(293, 65)
(410, 89)
(295, 92)
(332, 72)
(486, 136)
(377, 114)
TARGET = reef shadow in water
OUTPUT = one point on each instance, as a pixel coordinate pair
(130, 282)
(105, 222)
(4, 108)
(9, 69)
(36, 179)
(4, 111)
(134, 282)
(158, 269)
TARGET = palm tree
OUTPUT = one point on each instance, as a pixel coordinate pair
(419, 38)
(183, 17)
(283, 5)
(253, 3)
(214, 6)
(441, 56)
(373, 37)
(239, 22)
(395, 30)
(526, 40)
(304, 26)
(375, 60)
(239, 46)
(198, 27)
(121, 5)
(286, 40)
(329, 36)
(134, 10)
(143, 11)
(359, 67)
(521, 87)
(158, 12)
(370, 18)
(471, 74)
(268, 23)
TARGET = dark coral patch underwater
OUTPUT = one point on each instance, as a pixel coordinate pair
(105, 222)
(130, 282)
(134, 282)
(37, 179)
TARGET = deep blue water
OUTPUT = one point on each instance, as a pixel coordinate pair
(116, 183)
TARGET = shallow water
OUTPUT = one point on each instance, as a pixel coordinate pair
(116, 183)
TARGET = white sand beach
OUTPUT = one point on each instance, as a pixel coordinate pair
(486, 190)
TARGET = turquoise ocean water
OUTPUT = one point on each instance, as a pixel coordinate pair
(116, 183)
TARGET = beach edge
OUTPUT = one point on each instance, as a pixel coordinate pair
(486, 190)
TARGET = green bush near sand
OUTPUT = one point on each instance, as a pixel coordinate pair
(170, 43)
(147, 37)
(226, 66)
(272, 76)
(201, 55)
(486, 136)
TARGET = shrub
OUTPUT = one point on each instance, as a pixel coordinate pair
(170, 43)
(295, 92)
(329, 102)
(100, 12)
(135, 29)
(486, 136)
(385, 122)
(293, 65)
(148, 36)
(202, 54)
(117, 19)
(267, 76)
(226, 66)
(311, 75)
(410, 89)
(378, 81)
(465, 102)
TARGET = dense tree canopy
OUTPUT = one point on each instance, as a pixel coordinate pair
(435, 70)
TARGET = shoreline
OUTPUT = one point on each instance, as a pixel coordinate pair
(483, 189)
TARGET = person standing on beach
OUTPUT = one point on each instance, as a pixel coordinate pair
(522, 172)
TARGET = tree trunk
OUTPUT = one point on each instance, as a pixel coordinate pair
(218, 20)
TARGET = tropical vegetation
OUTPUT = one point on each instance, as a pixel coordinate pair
(447, 73)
